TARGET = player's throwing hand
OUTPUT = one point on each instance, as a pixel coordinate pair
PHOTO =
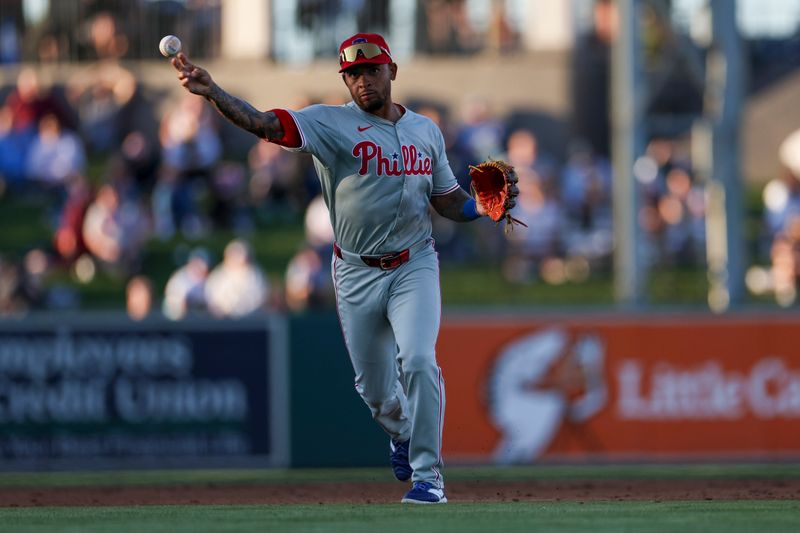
(195, 79)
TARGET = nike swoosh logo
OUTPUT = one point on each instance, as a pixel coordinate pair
(364, 128)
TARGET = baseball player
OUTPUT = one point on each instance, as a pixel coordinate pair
(380, 166)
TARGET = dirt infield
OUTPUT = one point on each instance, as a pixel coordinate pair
(359, 493)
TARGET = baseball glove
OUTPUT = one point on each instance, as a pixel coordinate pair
(494, 185)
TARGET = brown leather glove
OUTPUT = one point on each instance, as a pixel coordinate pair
(494, 185)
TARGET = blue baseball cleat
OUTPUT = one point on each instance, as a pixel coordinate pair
(424, 492)
(399, 457)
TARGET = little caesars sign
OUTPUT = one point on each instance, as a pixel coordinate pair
(769, 389)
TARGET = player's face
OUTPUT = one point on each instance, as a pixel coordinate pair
(370, 85)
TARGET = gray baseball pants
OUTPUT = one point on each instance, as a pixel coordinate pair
(390, 321)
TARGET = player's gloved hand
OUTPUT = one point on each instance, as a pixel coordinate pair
(513, 190)
(494, 185)
(197, 80)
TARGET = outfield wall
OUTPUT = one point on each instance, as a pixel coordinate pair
(100, 391)
(605, 388)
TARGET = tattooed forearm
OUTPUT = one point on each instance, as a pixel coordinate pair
(265, 125)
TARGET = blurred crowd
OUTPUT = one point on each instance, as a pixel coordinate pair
(118, 176)
(158, 177)
(167, 177)
(780, 239)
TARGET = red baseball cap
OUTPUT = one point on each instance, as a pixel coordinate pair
(369, 48)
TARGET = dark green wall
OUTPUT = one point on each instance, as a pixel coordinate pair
(330, 425)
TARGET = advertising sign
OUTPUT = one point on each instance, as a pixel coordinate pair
(152, 391)
(643, 387)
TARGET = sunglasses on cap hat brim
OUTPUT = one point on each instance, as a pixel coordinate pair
(365, 50)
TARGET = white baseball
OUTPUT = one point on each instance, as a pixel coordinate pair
(169, 45)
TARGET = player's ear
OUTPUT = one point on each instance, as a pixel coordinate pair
(393, 70)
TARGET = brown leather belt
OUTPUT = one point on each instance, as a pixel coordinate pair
(384, 262)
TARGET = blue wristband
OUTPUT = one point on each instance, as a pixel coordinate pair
(470, 210)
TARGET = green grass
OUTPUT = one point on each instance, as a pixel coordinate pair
(485, 284)
(745, 516)
(562, 516)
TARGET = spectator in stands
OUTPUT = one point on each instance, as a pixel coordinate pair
(10, 41)
(682, 211)
(68, 240)
(789, 153)
(447, 28)
(781, 197)
(782, 194)
(21, 284)
(139, 297)
(228, 191)
(114, 230)
(168, 207)
(274, 179)
(672, 207)
(99, 93)
(12, 298)
(308, 275)
(586, 185)
(782, 221)
(190, 148)
(585, 192)
(35, 267)
(185, 290)
(537, 175)
(480, 135)
(317, 224)
(29, 101)
(590, 79)
(189, 139)
(101, 90)
(139, 156)
(539, 208)
(524, 154)
(784, 270)
(49, 49)
(24, 107)
(14, 146)
(55, 155)
(106, 38)
(236, 287)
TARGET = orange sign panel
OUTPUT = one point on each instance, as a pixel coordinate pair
(598, 388)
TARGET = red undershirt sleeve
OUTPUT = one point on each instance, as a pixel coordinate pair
(291, 134)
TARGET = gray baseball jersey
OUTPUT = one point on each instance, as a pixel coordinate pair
(377, 179)
(377, 176)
